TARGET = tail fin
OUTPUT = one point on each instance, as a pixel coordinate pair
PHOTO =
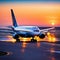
(13, 19)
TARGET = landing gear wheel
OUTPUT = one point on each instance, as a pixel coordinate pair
(17, 40)
(16, 37)
(33, 40)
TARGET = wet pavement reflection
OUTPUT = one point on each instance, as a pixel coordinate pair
(45, 49)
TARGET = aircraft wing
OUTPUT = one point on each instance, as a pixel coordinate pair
(6, 30)
(11, 31)
(46, 30)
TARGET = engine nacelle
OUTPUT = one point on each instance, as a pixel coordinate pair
(42, 36)
(16, 36)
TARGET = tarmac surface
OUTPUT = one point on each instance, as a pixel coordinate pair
(47, 49)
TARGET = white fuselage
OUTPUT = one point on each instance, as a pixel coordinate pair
(32, 29)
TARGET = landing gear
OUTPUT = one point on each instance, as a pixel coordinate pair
(17, 38)
(33, 40)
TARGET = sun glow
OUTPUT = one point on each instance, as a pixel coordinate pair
(31, 13)
(53, 23)
(52, 20)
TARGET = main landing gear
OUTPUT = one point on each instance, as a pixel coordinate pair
(17, 38)
(33, 40)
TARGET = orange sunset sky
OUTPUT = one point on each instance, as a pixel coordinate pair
(40, 14)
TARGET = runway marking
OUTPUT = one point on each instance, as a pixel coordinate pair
(54, 51)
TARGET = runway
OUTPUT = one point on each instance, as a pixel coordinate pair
(46, 49)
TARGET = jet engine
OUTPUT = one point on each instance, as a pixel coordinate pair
(16, 36)
(42, 36)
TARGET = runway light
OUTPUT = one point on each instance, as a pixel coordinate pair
(51, 38)
(48, 33)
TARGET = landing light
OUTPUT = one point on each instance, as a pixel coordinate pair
(24, 39)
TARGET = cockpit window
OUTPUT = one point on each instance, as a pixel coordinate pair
(31, 28)
(35, 28)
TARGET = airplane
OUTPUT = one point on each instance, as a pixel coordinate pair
(27, 31)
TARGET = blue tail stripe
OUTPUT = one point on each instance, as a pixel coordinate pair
(13, 19)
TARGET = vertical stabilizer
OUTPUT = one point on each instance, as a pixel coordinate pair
(13, 19)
